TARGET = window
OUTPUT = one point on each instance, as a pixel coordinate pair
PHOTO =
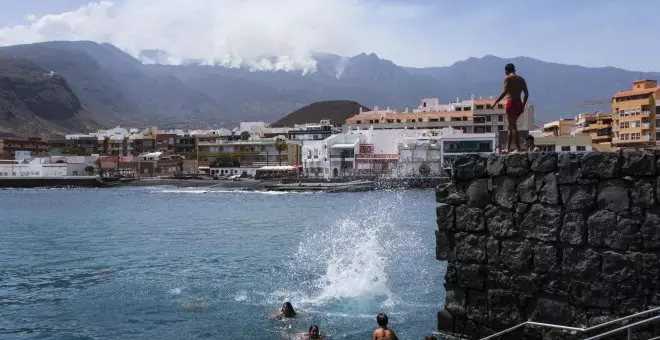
(480, 107)
(635, 124)
(433, 120)
(635, 136)
(442, 119)
(377, 121)
(581, 148)
(358, 122)
(565, 148)
(398, 120)
(419, 120)
(479, 120)
(488, 118)
(500, 106)
(624, 125)
(500, 118)
(465, 118)
(488, 129)
(500, 128)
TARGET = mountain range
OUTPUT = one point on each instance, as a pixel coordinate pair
(114, 88)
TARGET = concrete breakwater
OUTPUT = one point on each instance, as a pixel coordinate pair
(571, 239)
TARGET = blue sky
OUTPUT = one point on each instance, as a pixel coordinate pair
(411, 33)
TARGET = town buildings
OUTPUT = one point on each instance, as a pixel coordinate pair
(26, 164)
(596, 125)
(561, 127)
(634, 114)
(9, 146)
(469, 116)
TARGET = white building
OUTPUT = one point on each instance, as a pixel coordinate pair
(334, 156)
(562, 143)
(24, 165)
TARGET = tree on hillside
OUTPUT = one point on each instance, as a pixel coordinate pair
(280, 146)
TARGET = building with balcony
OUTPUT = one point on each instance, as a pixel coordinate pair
(185, 144)
(562, 143)
(251, 153)
(470, 116)
(305, 132)
(561, 127)
(77, 145)
(35, 145)
(596, 125)
(634, 114)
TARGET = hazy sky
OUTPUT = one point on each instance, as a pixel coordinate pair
(410, 33)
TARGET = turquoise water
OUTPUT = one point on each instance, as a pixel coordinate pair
(168, 263)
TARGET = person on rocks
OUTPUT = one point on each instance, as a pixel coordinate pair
(529, 144)
(286, 311)
(383, 333)
(513, 86)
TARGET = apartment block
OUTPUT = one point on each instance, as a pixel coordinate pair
(561, 127)
(250, 153)
(634, 114)
(35, 145)
(596, 125)
(469, 116)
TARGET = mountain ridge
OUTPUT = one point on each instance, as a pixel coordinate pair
(119, 89)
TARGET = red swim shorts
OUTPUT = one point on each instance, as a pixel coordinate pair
(514, 108)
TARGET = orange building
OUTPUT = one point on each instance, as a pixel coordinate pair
(634, 114)
(9, 146)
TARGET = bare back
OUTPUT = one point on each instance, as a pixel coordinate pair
(384, 334)
(514, 85)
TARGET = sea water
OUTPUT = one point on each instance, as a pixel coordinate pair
(206, 263)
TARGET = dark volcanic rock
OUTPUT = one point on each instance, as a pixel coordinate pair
(642, 193)
(477, 193)
(602, 165)
(599, 225)
(470, 219)
(470, 247)
(569, 168)
(574, 229)
(578, 196)
(517, 164)
(471, 276)
(456, 300)
(527, 189)
(613, 196)
(638, 162)
(493, 250)
(477, 306)
(445, 216)
(470, 166)
(548, 189)
(496, 166)
(619, 268)
(582, 264)
(500, 222)
(651, 229)
(442, 247)
(516, 255)
(648, 271)
(448, 193)
(542, 222)
(626, 234)
(543, 161)
(552, 311)
(546, 258)
(591, 294)
(504, 192)
(503, 313)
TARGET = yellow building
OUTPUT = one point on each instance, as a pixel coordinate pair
(561, 127)
(596, 125)
(634, 113)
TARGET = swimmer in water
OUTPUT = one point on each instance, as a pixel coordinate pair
(430, 337)
(314, 333)
(287, 311)
(383, 333)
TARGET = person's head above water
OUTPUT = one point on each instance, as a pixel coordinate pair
(287, 309)
(509, 68)
(430, 337)
(314, 331)
(382, 320)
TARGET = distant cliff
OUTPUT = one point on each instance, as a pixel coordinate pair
(38, 102)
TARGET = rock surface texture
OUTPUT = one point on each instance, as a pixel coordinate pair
(571, 239)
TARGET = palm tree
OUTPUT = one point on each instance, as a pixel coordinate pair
(89, 170)
(245, 135)
(280, 146)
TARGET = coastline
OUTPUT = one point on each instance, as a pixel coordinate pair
(194, 183)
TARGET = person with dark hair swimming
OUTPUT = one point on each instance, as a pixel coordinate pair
(286, 311)
(314, 333)
(430, 337)
(383, 333)
(513, 86)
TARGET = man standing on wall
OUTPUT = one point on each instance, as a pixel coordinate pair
(513, 86)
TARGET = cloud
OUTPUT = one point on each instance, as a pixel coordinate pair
(261, 34)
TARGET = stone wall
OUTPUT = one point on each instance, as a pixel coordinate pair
(569, 239)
